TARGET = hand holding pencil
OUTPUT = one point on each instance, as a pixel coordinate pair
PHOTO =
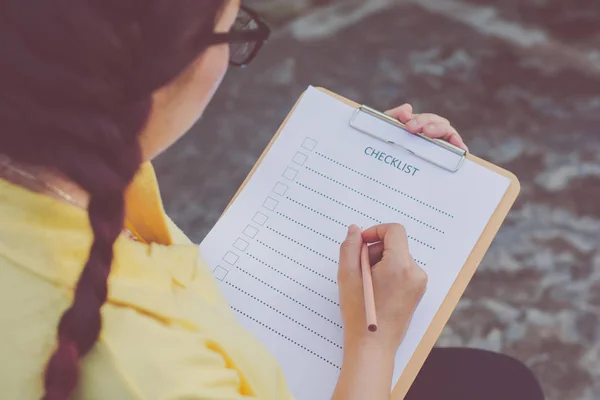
(380, 285)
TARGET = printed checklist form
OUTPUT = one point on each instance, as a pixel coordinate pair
(275, 250)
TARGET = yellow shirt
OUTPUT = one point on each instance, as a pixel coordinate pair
(167, 331)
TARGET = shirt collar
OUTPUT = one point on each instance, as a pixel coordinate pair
(144, 208)
(52, 239)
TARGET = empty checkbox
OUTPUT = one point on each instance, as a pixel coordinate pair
(220, 273)
(280, 188)
(260, 218)
(250, 231)
(270, 203)
(300, 158)
(290, 173)
(309, 144)
(241, 244)
(231, 258)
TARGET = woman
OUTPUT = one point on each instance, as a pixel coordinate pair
(103, 297)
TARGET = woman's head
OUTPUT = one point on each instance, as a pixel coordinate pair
(179, 104)
(89, 89)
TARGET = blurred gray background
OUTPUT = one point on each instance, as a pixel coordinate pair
(520, 79)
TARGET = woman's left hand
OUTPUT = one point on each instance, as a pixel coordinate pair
(431, 125)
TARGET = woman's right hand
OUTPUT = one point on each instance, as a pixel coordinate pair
(398, 284)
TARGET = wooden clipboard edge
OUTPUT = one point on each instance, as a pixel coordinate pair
(464, 277)
(462, 280)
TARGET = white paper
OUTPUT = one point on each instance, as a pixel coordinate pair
(275, 250)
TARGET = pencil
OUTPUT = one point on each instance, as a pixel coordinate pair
(368, 289)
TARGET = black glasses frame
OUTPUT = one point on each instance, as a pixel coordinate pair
(259, 36)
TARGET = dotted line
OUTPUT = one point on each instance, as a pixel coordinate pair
(368, 197)
(293, 280)
(296, 262)
(309, 228)
(383, 184)
(420, 263)
(286, 316)
(289, 297)
(420, 242)
(287, 338)
(344, 225)
(340, 203)
(317, 212)
(302, 245)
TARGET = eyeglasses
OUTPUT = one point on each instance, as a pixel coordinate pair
(248, 34)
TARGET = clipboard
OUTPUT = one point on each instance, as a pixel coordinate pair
(450, 158)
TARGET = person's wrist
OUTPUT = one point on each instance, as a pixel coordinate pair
(370, 346)
(385, 338)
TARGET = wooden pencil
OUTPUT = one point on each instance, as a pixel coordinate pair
(369, 295)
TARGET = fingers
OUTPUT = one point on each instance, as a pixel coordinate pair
(422, 120)
(375, 253)
(391, 244)
(350, 254)
(436, 127)
(446, 132)
(404, 113)
(456, 139)
(393, 237)
(431, 125)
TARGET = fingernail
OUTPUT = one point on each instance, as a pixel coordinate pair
(351, 230)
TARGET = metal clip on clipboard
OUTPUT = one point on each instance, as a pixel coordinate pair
(434, 151)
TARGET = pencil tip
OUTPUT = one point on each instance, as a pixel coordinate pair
(372, 327)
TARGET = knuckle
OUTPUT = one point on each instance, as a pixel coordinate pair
(404, 262)
(398, 228)
(423, 278)
(403, 270)
(423, 118)
(419, 279)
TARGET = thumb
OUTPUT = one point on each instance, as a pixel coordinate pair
(350, 253)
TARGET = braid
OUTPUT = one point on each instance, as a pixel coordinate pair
(77, 78)
(80, 325)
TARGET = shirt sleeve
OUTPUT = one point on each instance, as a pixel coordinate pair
(140, 357)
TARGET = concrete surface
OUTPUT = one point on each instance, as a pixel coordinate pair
(520, 80)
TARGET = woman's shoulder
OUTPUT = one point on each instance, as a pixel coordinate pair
(31, 309)
(138, 355)
(160, 337)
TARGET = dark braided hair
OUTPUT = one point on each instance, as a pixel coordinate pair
(76, 83)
